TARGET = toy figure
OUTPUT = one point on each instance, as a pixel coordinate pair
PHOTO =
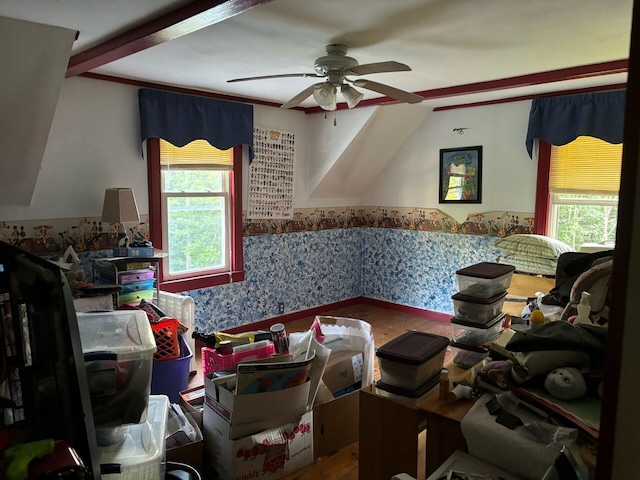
(566, 383)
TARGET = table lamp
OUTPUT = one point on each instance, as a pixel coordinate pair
(119, 207)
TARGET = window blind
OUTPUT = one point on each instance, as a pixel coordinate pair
(198, 152)
(587, 166)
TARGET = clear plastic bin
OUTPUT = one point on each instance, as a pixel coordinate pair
(140, 452)
(478, 310)
(475, 334)
(118, 348)
(411, 359)
(485, 279)
(409, 397)
(465, 356)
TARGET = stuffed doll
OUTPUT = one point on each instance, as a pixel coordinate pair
(566, 383)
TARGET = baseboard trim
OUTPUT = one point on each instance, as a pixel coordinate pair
(290, 317)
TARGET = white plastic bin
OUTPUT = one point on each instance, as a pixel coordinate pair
(181, 307)
(140, 455)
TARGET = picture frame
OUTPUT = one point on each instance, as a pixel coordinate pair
(460, 175)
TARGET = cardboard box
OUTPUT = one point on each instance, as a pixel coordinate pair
(335, 424)
(252, 413)
(192, 402)
(270, 454)
(192, 453)
(343, 369)
(336, 420)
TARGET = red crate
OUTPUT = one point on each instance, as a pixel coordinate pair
(165, 333)
(215, 362)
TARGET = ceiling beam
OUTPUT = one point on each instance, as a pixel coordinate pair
(539, 78)
(550, 76)
(181, 21)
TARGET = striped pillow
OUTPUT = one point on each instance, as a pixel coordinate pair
(533, 246)
(533, 265)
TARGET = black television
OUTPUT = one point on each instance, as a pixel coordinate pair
(43, 381)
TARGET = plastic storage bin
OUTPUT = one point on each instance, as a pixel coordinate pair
(409, 397)
(170, 377)
(476, 334)
(140, 453)
(118, 348)
(411, 359)
(215, 362)
(485, 279)
(181, 307)
(478, 310)
(466, 356)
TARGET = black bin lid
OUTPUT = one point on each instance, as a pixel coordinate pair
(486, 270)
(413, 347)
(418, 392)
(477, 300)
(486, 325)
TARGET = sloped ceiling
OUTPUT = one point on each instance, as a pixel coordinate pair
(350, 155)
(34, 62)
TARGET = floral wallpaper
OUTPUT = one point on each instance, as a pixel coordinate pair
(406, 256)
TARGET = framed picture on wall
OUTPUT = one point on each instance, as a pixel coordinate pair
(461, 175)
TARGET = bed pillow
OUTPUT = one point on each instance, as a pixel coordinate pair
(533, 246)
(532, 265)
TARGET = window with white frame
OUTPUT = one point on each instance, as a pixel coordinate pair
(199, 207)
(584, 179)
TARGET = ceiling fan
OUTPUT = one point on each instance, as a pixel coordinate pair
(335, 66)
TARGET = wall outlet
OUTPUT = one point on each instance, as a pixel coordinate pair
(280, 308)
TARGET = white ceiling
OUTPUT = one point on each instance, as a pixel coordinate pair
(447, 43)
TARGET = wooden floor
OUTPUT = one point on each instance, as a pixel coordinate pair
(386, 325)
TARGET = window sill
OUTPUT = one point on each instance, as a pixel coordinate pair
(205, 281)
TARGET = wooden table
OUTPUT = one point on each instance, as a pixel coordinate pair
(389, 431)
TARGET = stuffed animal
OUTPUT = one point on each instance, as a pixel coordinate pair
(565, 383)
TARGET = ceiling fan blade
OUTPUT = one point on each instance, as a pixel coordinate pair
(380, 67)
(392, 92)
(295, 101)
(282, 75)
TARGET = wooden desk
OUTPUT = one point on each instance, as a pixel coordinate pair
(389, 431)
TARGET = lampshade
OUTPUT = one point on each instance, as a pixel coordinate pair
(351, 95)
(119, 206)
(325, 95)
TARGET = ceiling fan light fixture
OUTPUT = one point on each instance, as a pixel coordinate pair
(332, 106)
(325, 95)
(351, 95)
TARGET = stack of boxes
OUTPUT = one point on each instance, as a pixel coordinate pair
(478, 310)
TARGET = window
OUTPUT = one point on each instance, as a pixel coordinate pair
(196, 213)
(582, 188)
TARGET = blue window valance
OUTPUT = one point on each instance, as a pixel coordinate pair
(560, 120)
(181, 119)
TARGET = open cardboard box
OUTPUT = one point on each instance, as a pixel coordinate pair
(259, 434)
(191, 453)
(336, 420)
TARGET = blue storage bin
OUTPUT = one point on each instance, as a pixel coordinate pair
(170, 377)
